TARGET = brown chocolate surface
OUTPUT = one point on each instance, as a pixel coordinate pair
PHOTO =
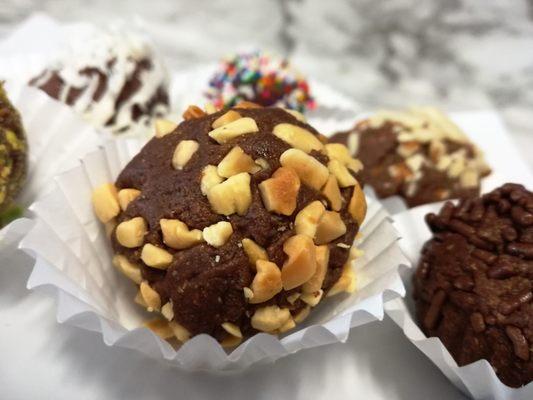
(206, 283)
(474, 282)
(378, 151)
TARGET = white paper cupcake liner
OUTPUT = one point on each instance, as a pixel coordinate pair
(478, 379)
(73, 258)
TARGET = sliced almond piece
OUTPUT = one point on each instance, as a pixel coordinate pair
(314, 284)
(129, 269)
(312, 299)
(193, 112)
(176, 234)
(280, 192)
(311, 171)
(225, 119)
(344, 177)
(357, 206)
(126, 196)
(155, 257)
(105, 202)
(307, 219)
(234, 129)
(218, 234)
(160, 328)
(232, 329)
(297, 137)
(330, 227)
(183, 153)
(181, 333)
(254, 251)
(235, 162)
(266, 283)
(301, 263)
(332, 192)
(210, 178)
(150, 296)
(346, 282)
(131, 233)
(231, 196)
(270, 318)
(163, 127)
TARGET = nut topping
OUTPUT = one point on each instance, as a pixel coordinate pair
(307, 219)
(346, 282)
(332, 192)
(181, 333)
(341, 153)
(314, 284)
(218, 234)
(296, 114)
(234, 129)
(131, 233)
(105, 202)
(155, 257)
(160, 328)
(129, 269)
(168, 311)
(183, 153)
(149, 296)
(312, 299)
(301, 263)
(225, 119)
(329, 228)
(232, 329)
(343, 175)
(310, 171)
(254, 251)
(235, 162)
(126, 196)
(298, 137)
(266, 283)
(231, 196)
(210, 178)
(193, 112)
(357, 206)
(177, 235)
(280, 192)
(270, 318)
(163, 127)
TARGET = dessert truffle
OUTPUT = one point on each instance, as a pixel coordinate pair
(13, 155)
(113, 78)
(259, 78)
(473, 286)
(234, 222)
(420, 155)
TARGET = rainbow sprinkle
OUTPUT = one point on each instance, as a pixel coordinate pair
(259, 78)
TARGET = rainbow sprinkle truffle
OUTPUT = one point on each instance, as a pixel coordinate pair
(259, 78)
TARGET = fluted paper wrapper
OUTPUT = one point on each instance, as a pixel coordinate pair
(73, 258)
(478, 379)
(57, 139)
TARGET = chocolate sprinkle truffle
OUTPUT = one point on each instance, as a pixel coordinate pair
(113, 78)
(420, 155)
(234, 222)
(13, 153)
(474, 284)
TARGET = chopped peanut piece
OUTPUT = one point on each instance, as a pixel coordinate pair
(218, 234)
(247, 104)
(298, 137)
(160, 328)
(126, 196)
(301, 263)
(150, 296)
(287, 326)
(311, 171)
(176, 234)
(270, 318)
(234, 129)
(341, 153)
(261, 162)
(105, 202)
(231, 341)
(183, 153)
(155, 257)
(280, 192)
(210, 178)
(139, 300)
(181, 333)
(344, 177)
(266, 283)
(346, 282)
(235, 162)
(225, 119)
(302, 315)
(293, 297)
(193, 112)
(332, 192)
(210, 108)
(231, 196)
(129, 269)
(357, 205)
(168, 311)
(307, 219)
(312, 299)
(131, 233)
(330, 227)
(232, 329)
(314, 284)
(248, 294)
(254, 251)
(296, 114)
(163, 127)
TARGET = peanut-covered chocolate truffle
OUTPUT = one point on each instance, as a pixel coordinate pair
(234, 222)
(420, 155)
(13, 154)
(474, 282)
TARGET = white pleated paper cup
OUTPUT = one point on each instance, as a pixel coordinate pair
(73, 257)
(477, 380)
